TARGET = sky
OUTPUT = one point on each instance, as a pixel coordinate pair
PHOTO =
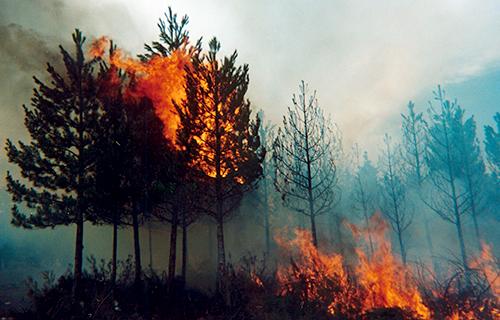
(365, 60)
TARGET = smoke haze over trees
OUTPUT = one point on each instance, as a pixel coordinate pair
(125, 159)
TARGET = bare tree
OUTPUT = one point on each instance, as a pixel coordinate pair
(413, 126)
(305, 152)
(413, 154)
(394, 193)
(265, 194)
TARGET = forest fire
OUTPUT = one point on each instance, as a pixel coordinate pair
(166, 141)
(371, 282)
(161, 79)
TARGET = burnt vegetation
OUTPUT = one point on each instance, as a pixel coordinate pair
(170, 138)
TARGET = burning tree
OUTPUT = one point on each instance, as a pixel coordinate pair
(113, 187)
(59, 161)
(394, 193)
(305, 152)
(218, 136)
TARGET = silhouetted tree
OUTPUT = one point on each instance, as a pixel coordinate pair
(113, 188)
(473, 170)
(265, 193)
(152, 153)
(413, 126)
(364, 192)
(59, 161)
(219, 137)
(449, 199)
(305, 152)
(492, 150)
(174, 205)
(413, 153)
(394, 193)
(492, 145)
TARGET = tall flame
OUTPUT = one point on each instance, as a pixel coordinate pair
(378, 281)
(161, 79)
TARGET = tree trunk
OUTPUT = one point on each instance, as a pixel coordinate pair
(78, 256)
(173, 247)
(474, 219)
(338, 230)
(368, 229)
(114, 253)
(267, 228)
(435, 263)
(150, 245)
(402, 246)
(221, 255)
(461, 242)
(313, 231)
(184, 249)
(137, 247)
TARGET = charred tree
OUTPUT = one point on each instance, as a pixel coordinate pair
(59, 161)
(305, 152)
(220, 138)
(394, 194)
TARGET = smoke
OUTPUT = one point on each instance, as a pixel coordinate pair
(365, 59)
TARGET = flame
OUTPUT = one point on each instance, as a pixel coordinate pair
(485, 263)
(379, 281)
(98, 47)
(161, 79)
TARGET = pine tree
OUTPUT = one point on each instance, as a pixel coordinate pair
(265, 193)
(492, 145)
(174, 205)
(364, 193)
(394, 193)
(58, 164)
(305, 152)
(414, 139)
(113, 188)
(492, 150)
(443, 156)
(413, 126)
(219, 137)
(473, 170)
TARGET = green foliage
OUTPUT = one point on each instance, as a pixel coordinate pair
(58, 164)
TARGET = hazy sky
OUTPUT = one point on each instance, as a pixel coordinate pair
(365, 58)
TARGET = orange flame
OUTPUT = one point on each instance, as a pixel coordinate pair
(485, 263)
(161, 79)
(382, 280)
